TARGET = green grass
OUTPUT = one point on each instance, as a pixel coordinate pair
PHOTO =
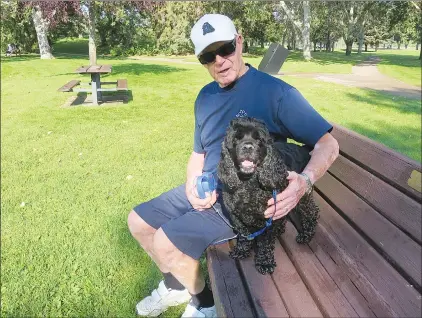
(67, 251)
(403, 65)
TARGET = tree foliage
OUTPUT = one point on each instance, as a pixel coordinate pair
(146, 27)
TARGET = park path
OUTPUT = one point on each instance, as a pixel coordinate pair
(364, 75)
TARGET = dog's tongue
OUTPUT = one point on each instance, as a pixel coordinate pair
(247, 163)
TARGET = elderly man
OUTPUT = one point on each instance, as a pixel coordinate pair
(177, 227)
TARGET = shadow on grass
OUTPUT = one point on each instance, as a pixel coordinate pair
(132, 69)
(326, 58)
(19, 58)
(392, 136)
(138, 69)
(400, 104)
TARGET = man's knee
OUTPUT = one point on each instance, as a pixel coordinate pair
(138, 227)
(165, 250)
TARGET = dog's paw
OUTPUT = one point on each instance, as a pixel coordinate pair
(265, 268)
(239, 254)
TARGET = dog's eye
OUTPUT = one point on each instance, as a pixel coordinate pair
(255, 135)
(239, 135)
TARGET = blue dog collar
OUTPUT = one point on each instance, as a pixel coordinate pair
(269, 222)
(205, 183)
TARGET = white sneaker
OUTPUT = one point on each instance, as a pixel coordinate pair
(192, 311)
(160, 299)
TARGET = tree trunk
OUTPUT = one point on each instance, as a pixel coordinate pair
(398, 45)
(284, 38)
(305, 28)
(315, 46)
(420, 55)
(417, 46)
(262, 44)
(91, 31)
(246, 47)
(328, 44)
(41, 27)
(360, 40)
(306, 37)
(332, 46)
(366, 47)
(349, 45)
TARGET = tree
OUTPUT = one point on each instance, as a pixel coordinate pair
(46, 15)
(17, 26)
(353, 16)
(325, 24)
(301, 24)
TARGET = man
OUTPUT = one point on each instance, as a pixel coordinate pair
(176, 227)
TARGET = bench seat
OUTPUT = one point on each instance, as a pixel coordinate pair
(122, 84)
(68, 87)
(365, 258)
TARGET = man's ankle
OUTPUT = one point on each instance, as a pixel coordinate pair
(171, 282)
(203, 299)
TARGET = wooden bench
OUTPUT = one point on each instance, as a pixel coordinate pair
(122, 85)
(365, 258)
(68, 87)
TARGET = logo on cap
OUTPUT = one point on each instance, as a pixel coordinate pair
(207, 28)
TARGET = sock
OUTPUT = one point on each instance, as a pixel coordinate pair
(204, 298)
(171, 282)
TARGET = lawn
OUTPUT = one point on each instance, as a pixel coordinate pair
(71, 175)
(403, 65)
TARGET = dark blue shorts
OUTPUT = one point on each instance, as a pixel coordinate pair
(191, 231)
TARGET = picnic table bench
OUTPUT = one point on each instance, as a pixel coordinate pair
(365, 258)
(96, 89)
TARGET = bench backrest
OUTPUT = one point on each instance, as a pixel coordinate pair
(377, 191)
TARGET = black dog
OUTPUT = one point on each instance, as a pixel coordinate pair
(251, 167)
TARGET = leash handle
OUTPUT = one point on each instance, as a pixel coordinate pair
(205, 183)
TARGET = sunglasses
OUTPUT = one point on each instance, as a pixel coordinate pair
(224, 50)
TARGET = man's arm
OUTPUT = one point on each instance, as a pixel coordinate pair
(326, 150)
(194, 170)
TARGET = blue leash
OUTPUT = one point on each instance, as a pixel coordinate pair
(207, 183)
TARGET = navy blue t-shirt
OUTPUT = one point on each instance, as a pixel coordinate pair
(286, 113)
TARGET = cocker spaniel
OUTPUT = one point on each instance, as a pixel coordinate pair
(251, 167)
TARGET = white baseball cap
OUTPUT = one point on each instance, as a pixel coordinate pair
(211, 28)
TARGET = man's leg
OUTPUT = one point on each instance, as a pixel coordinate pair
(175, 236)
(183, 267)
(144, 234)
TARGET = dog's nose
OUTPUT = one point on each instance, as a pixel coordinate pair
(247, 146)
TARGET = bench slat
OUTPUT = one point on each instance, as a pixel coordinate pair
(387, 164)
(69, 86)
(265, 297)
(295, 295)
(122, 85)
(323, 289)
(228, 290)
(387, 200)
(386, 291)
(395, 245)
(346, 285)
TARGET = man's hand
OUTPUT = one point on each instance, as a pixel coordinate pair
(287, 199)
(193, 197)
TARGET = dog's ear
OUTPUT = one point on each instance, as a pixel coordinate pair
(227, 172)
(264, 134)
(272, 173)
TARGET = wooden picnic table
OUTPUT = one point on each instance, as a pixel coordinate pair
(95, 71)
